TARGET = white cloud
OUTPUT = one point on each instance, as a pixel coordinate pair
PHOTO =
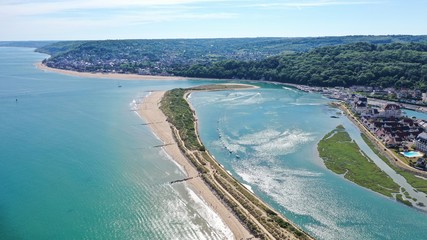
(83, 14)
(46, 7)
(319, 3)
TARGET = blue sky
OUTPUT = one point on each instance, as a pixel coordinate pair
(136, 19)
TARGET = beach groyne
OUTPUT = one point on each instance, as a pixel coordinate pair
(261, 220)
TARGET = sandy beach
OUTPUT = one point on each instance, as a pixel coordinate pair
(122, 76)
(153, 116)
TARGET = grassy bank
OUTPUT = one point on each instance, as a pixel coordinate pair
(418, 183)
(179, 114)
(343, 156)
(262, 221)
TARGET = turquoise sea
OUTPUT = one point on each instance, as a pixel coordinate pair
(76, 163)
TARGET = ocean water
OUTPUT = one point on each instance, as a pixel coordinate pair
(76, 163)
(267, 139)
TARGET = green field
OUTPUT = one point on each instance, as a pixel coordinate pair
(179, 114)
(418, 183)
(343, 156)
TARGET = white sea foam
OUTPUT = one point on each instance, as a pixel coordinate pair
(290, 89)
(169, 157)
(306, 104)
(284, 187)
(211, 217)
(248, 187)
(133, 105)
(240, 98)
(273, 142)
(229, 143)
(180, 214)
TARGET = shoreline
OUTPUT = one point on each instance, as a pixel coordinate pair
(129, 76)
(118, 76)
(123, 76)
(151, 113)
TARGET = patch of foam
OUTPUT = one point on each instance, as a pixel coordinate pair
(273, 142)
(162, 152)
(306, 104)
(241, 98)
(285, 186)
(172, 218)
(290, 89)
(211, 217)
(230, 144)
(284, 143)
(133, 105)
(247, 186)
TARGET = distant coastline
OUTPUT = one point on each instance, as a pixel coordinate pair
(123, 76)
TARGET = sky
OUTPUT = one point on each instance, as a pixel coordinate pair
(158, 19)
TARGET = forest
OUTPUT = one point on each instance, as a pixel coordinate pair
(401, 65)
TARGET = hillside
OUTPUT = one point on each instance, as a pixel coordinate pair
(325, 61)
(385, 65)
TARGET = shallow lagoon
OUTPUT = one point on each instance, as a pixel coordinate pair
(274, 131)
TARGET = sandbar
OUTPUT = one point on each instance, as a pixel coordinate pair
(149, 110)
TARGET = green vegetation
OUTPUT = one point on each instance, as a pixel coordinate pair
(58, 48)
(388, 65)
(398, 61)
(400, 199)
(418, 183)
(343, 156)
(252, 212)
(179, 114)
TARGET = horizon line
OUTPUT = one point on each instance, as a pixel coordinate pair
(201, 38)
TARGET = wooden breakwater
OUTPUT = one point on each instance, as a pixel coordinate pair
(181, 180)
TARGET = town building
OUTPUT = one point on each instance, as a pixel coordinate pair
(391, 110)
(421, 142)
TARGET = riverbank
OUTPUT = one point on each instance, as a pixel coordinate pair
(343, 156)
